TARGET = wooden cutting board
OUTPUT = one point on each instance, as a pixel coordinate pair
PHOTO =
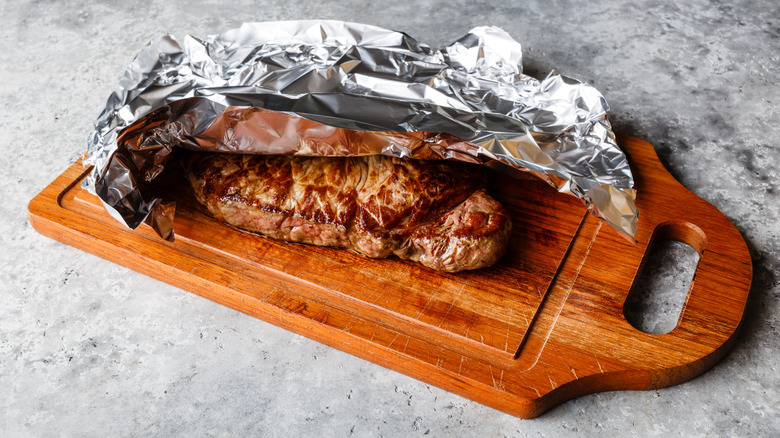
(541, 327)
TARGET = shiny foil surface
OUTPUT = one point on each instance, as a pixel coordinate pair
(333, 88)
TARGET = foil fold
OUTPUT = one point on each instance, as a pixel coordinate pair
(332, 88)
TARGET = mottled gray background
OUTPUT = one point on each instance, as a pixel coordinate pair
(90, 348)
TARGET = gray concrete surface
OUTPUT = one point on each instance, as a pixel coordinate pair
(88, 348)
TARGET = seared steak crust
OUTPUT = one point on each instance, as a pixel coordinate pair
(435, 212)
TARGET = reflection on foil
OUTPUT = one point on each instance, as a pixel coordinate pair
(334, 88)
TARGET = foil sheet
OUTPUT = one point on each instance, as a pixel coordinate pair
(334, 88)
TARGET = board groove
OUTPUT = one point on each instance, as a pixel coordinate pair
(542, 326)
(560, 287)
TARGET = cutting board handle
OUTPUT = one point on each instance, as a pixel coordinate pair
(677, 231)
(716, 299)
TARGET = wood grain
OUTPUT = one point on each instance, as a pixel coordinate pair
(543, 326)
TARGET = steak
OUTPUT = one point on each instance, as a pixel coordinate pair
(434, 212)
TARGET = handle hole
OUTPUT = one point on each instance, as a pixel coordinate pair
(659, 292)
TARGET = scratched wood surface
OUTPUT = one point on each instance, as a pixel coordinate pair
(543, 326)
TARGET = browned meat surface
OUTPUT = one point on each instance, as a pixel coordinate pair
(433, 212)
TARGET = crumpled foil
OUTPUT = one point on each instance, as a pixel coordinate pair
(333, 88)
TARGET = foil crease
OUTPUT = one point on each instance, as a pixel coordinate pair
(331, 88)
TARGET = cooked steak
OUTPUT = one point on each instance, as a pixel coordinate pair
(434, 212)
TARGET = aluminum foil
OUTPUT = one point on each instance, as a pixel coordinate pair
(334, 88)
